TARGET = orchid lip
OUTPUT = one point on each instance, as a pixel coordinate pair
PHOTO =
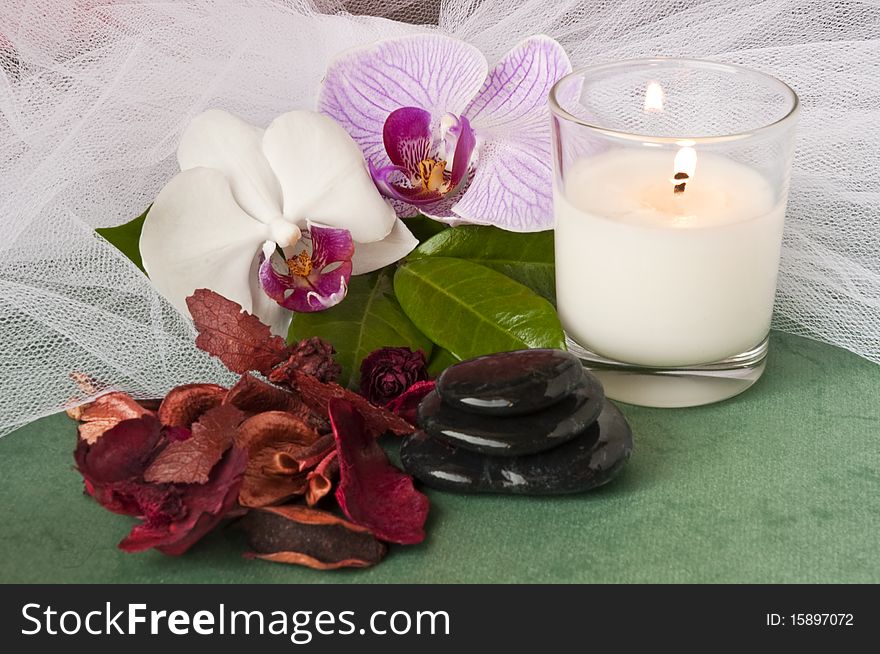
(424, 167)
(316, 279)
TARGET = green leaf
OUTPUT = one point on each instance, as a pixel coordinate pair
(423, 228)
(368, 318)
(440, 361)
(471, 310)
(126, 238)
(526, 258)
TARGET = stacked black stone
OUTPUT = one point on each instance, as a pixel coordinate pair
(530, 422)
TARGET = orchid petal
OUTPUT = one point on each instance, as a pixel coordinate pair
(329, 291)
(217, 139)
(330, 246)
(515, 91)
(466, 143)
(416, 196)
(404, 209)
(363, 86)
(270, 312)
(408, 137)
(372, 256)
(323, 177)
(388, 178)
(274, 283)
(511, 187)
(325, 285)
(442, 210)
(196, 236)
(401, 190)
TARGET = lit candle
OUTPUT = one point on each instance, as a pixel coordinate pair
(682, 270)
(667, 246)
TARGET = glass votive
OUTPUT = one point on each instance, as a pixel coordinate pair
(670, 185)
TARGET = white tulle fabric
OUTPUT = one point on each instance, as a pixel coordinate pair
(95, 94)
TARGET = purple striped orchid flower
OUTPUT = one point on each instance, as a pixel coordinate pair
(445, 135)
(297, 195)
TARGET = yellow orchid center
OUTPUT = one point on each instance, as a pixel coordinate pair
(432, 175)
(300, 265)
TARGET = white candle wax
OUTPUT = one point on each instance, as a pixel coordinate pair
(650, 277)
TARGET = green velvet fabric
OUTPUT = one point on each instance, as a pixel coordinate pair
(781, 484)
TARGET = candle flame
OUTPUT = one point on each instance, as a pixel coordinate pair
(653, 98)
(684, 167)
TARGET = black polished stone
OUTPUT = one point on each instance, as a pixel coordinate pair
(590, 460)
(510, 383)
(515, 435)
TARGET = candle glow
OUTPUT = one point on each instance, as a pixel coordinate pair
(684, 166)
(653, 98)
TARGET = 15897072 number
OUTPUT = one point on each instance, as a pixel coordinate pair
(809, 620)
(822, 619)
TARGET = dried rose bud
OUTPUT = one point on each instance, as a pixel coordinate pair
(311, 356)
(387, 372)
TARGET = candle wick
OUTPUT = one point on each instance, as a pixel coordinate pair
(679, 188)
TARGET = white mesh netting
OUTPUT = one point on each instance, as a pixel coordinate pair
(93, 95)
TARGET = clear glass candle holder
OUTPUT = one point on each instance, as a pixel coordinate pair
(670, 185)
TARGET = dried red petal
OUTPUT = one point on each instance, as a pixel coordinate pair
(311, 356)
(260, 489)
(105, 413)
(253, 395)
(112, 469)
(203, 507)
(372, 492)
(317, 452)
(151, 405)
(302, 536)
(274, 426)
(185, 404)
(174, 434)
(406, 405)
(317, 395)
(320, 480)
(136, 498)
(190, 461)
(122, 453)
(271, 439)
(234, 336)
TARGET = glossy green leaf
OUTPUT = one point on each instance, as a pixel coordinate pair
(368, 318)
(126, 238)
(526, 258)
(440, 361)
(424, 228)
(471, 310)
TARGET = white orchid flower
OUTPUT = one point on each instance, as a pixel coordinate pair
(242, 188)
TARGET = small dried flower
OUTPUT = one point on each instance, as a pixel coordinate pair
(311, 356)
(389, 371)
